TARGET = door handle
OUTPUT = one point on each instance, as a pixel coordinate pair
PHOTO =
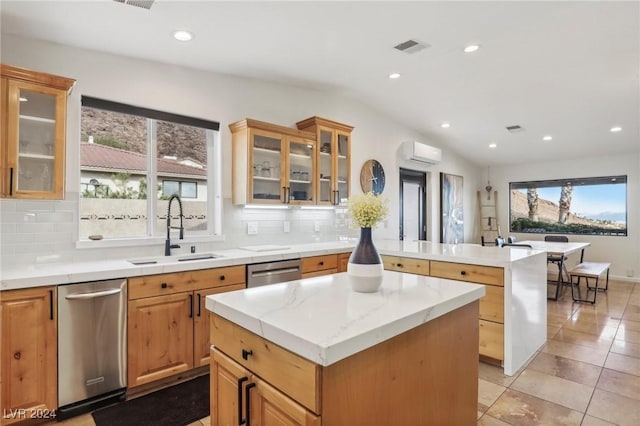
(199, 304)
(84, 296)
(11, 181)
(191, 306)
(247, 398)
(241, 380)
(51, 304)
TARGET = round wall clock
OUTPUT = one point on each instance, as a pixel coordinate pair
(372, 177)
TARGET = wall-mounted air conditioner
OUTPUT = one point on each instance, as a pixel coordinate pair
(417, 151)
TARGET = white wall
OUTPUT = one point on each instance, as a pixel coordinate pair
(622, 252)
(223, 98)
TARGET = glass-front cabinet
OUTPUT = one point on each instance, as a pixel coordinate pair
(334, 164)
(272, 164)
(33, 135)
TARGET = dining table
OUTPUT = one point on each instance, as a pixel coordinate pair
(561, 251)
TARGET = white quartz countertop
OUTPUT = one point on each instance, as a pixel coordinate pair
(324, 321)
(82, 271)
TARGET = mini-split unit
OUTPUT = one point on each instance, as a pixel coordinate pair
(420, 152)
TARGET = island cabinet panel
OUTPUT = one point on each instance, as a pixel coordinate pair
(465, 272)
(343, 261)
(406, 264)
(492, 304)
(492, 339)
(316, 266)
(427, 375)
(29, 354)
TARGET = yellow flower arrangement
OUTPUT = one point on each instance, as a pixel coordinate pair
(366, 210)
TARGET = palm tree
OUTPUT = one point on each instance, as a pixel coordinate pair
(565, 202)
(532, 200)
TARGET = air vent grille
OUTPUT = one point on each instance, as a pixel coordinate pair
(145, 4)
(411, 46)
(515, 128)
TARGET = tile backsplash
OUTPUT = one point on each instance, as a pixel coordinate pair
(38, 231)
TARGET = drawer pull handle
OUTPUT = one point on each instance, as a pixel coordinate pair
(241, 380)
(163, 285)
(221, 277)
(246, 354)
(463, 272)
(17, 355)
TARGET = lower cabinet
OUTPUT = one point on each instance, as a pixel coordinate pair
(29, 354)
(169, 333)
(238, 397)
(343, 261)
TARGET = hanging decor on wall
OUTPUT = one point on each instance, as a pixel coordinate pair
(451, 209)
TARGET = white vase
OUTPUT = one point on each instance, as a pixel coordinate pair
(365, 265)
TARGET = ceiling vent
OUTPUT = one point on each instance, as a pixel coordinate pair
(411, 46)
(145, 4)
(515, 128)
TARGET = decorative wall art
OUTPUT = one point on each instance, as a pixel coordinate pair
(451, 209)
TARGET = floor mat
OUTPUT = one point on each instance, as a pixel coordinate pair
(177, 405)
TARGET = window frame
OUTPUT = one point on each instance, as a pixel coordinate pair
(575, 182)
(213, 177)
(180, 182)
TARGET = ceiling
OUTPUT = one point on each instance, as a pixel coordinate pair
(565, 69)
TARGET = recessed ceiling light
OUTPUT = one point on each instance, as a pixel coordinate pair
(471, 48)
(492, 145)
(445, 125)
(547, 138)
(23, 99)
(615, 129)
(394, 75)
(182, 35)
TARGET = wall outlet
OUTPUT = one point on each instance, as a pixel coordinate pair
(252, 228)
(286, 226)
(316, 226)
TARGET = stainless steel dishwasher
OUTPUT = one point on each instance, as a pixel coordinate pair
(273, 272)
(92, 345)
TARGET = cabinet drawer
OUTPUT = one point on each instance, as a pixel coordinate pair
(492, 339)
(406, 264)
(471, 273)
(319, 263)
(492, 304)
(297, 377)
(157, 285)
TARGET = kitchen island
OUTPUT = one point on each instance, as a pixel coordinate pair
(312, 351)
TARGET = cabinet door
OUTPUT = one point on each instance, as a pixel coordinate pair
(228, 381)
(325, 187)
(342, 163)
(201, 338)
(35, 140)
(29, 352)
(160, 338)
(269, 407)
(301, 171)
(266, 167)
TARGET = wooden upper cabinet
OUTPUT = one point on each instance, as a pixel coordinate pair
(272, 164)
(29, 353)
(333, 153)
(34, 111)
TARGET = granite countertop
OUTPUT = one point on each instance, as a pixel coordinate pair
(324, 321)
(75, 272)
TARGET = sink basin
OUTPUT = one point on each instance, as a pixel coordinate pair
(170, 259)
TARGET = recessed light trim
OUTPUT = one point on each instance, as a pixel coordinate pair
(493, 145)
(470, 48)
(547, 138)
(394, 75)
(182, 35)
(615, 129)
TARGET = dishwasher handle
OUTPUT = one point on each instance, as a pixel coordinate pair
(274, 272)
(84, 296)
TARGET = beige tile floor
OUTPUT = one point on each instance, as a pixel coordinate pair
(588, 372)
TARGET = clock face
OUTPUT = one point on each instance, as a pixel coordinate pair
(372, 177)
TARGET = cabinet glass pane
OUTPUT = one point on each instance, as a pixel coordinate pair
(325, 166)
(301, 171)
(343, 167)
(36, 135)
(266, 167)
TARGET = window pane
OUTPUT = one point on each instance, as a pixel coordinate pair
(182, 158)
(170, 187)
(113, 174)
(593, 206)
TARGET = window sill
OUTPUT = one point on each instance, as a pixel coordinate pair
(145, 241)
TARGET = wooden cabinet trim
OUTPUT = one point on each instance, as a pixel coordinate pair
(27, 75)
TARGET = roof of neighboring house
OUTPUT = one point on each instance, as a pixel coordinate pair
(96, 156)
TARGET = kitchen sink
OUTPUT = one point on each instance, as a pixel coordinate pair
(170, 259)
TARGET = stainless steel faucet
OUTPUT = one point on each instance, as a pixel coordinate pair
(167, 245)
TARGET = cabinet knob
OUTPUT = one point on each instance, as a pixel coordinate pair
(17, 355)
(400, 265)
(463, 272)
(321, 263)
(164, 285)
(221, 277)
(246, 354)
